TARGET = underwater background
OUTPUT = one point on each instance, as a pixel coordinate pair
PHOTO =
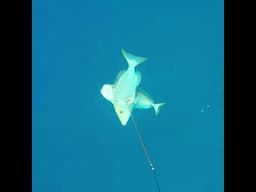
(78, 143)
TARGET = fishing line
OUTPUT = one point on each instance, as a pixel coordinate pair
(149, 160)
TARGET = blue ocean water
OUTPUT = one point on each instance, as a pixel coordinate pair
(78, 143)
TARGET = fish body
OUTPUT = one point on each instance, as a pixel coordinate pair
(145, 101)
(123, 93)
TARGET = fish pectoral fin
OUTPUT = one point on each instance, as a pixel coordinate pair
(107, 92)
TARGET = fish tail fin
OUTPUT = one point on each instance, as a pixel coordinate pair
(131, 59)
(157, 107)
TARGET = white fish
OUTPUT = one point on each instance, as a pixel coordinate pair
(144, 101)
(123, 93)
(125, 97)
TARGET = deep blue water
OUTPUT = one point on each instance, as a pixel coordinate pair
(78, 144)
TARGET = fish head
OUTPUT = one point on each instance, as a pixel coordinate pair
(123, 111)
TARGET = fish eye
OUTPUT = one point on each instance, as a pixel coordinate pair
(129, 100)
(121, 111)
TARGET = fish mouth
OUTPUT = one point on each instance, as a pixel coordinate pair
(124, 123)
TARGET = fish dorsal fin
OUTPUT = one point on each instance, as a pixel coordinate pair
(131, 59)
(107, 92)
(119, 75)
